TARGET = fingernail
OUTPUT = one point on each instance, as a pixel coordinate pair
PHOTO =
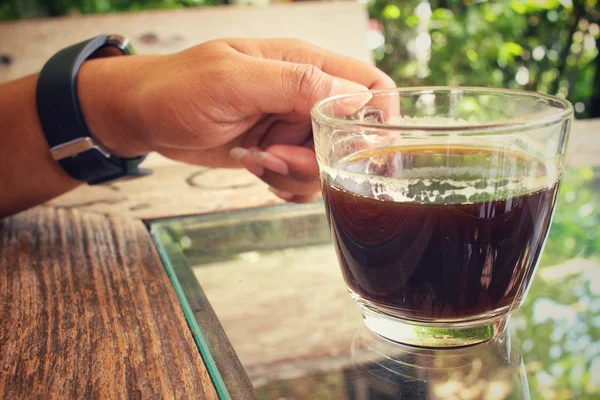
(237, 153)
(281, 194)
(271, 162)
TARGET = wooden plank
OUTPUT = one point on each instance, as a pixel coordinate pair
(87, 311)
(338, 26)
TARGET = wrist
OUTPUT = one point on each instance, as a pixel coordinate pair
(104, 88)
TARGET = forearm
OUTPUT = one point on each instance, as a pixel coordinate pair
(28, 173)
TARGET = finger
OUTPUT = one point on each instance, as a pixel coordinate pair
(287, 132)
(261, 163)
(255, 135)
(292, 198)
(288, 184)
(287, 196)
(389, 103)
(341, 66)
(310, 143)
(307, 199)
(300, 52)
(279, 87)
(301, 161)
(243, 157)
(290, 169)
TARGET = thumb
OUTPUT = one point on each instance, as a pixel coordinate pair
(281, 87)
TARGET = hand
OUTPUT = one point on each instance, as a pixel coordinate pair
(228, 103)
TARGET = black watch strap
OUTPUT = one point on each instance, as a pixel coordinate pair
(70, 140)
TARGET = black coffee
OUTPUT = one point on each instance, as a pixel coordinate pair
(442, 251)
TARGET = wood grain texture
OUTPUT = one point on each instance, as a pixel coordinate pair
(338, 26)
(87, 311)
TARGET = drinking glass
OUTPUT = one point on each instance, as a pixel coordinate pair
(439, 202)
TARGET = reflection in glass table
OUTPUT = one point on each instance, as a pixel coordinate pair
(272, 278)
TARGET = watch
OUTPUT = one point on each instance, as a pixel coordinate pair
(71, 143)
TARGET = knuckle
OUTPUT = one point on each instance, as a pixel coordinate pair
(307, 79)
(305, 75)
(210, 47)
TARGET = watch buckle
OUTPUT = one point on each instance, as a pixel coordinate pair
(75, 147)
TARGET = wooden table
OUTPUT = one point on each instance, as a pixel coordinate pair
(86, 307)
(87, 311)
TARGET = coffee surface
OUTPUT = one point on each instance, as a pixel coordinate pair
(440, 233)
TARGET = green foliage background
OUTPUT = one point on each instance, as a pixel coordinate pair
(21, 9)
(552, 44)
(487, 43)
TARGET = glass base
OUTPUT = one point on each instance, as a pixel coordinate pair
(435, 335)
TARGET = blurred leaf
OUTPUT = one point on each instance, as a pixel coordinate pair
(441, 14)
(533, 5)
(412, 21)
(391, 11)
(518, 6)
(512, 48)
(489, 15)
(472, 54)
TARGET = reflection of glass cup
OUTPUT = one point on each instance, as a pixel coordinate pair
(493, 370)
(439, 202)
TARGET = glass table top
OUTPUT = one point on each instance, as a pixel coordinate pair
(266, 302)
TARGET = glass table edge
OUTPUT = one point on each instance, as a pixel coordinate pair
(176, 267)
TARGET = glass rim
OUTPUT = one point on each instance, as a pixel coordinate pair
(498, 128)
